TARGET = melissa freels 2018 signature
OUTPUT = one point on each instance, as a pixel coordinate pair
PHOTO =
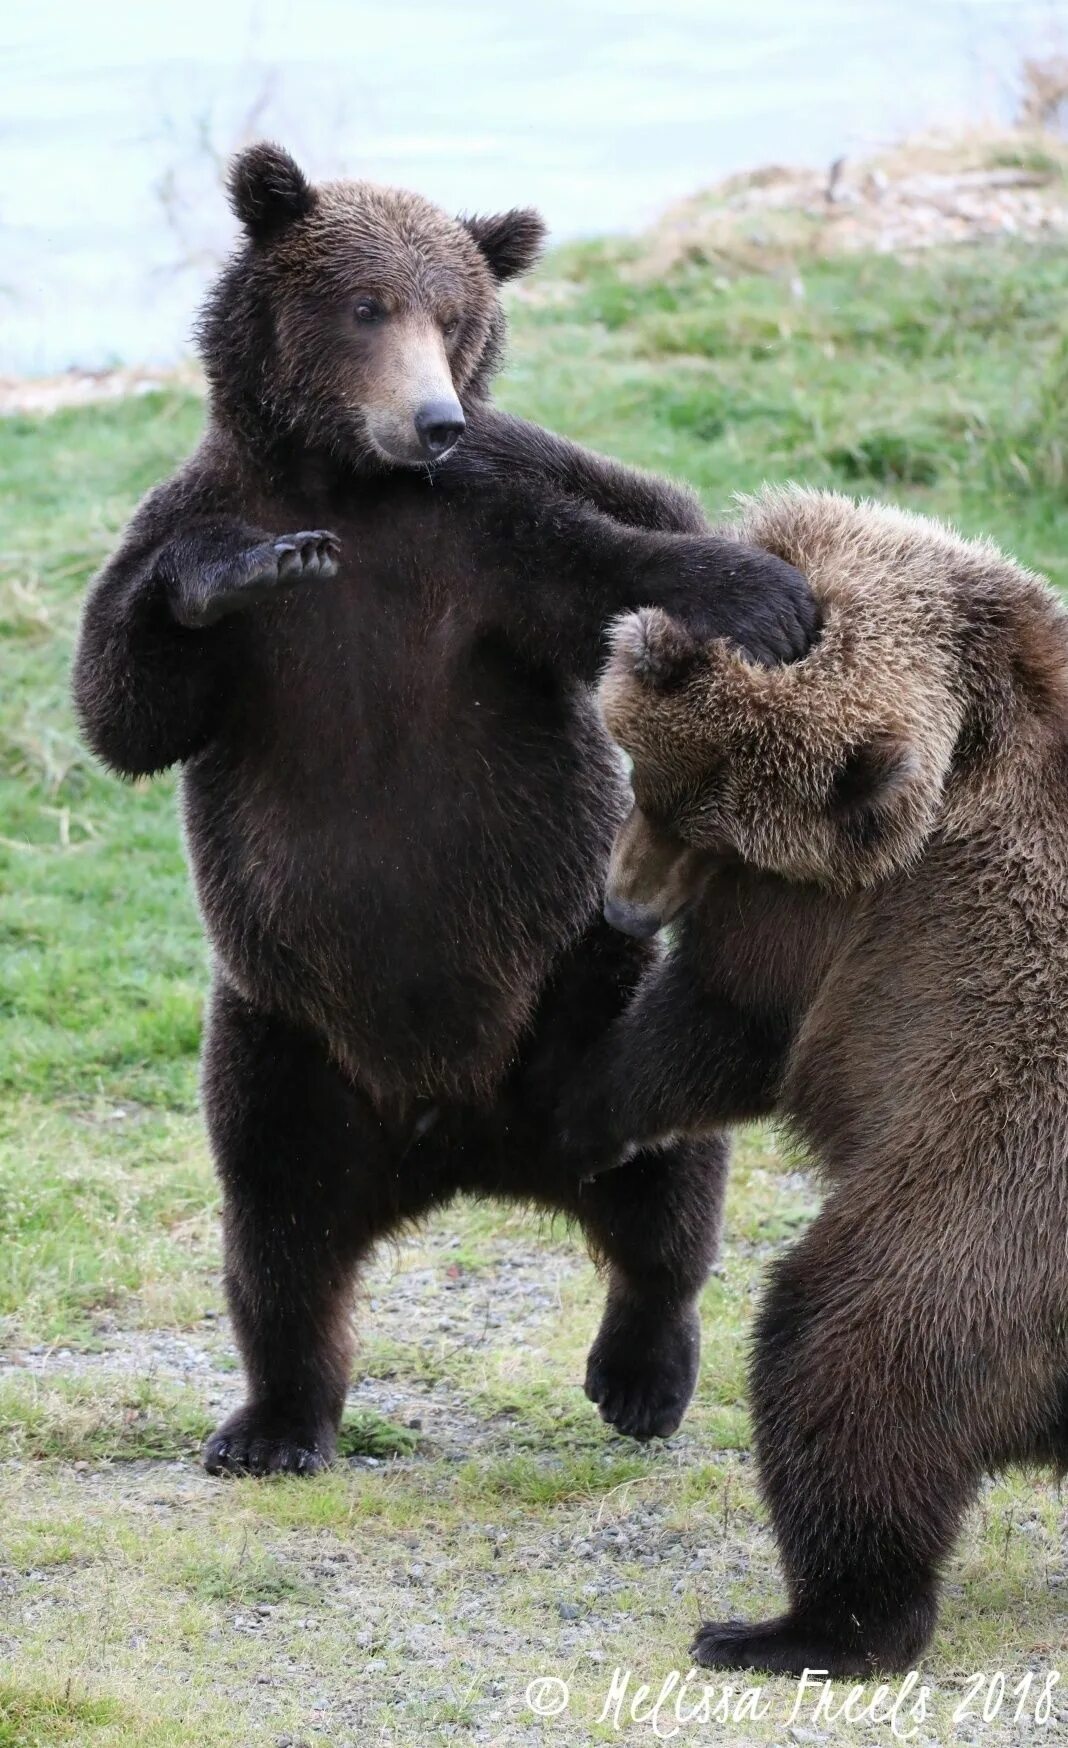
(683, 1702)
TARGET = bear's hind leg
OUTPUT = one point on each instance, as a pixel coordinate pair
(654, 1223)
(871, 1435)
(309, 1184)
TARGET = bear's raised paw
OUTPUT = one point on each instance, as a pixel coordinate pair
(232, 581)
(642, 1370)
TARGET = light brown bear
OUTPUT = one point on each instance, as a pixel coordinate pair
(867, 854)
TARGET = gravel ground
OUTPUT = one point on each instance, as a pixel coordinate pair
(478, 1606)
(415, 1294)
(415, 1600)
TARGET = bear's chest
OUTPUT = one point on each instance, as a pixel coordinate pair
(396, 796)
(392, 706)
(411, 634)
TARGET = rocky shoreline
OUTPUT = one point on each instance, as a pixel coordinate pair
(933, 191)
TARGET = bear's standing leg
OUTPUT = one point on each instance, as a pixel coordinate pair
(654, 1224)
(875, 1403)
(310, 1182)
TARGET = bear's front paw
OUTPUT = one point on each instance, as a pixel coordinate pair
(229, 584)
(643, 1367)
(255, 1441)
(770, 612)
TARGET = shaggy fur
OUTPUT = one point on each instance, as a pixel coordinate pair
(873, 846)
(398, 798)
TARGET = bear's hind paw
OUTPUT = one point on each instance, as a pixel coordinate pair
(778, 1647)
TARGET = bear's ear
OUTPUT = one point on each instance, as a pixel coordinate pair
(874, 776)
(510, 241)
(268, 190)
(655, 648)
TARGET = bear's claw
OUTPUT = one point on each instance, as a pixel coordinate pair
(242, 1446)
(312, 554)
(238, 580)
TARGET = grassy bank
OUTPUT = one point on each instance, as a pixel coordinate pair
(486, 1530)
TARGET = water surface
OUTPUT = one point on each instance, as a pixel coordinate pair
(116, 121)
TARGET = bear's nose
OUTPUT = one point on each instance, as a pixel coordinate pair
(639, 920)
(439, 424)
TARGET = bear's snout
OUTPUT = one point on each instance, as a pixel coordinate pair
(652, 875)
(640, 920)
(440, 425)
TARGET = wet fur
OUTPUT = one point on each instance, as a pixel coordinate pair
(876, 953)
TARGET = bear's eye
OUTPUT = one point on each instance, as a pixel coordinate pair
(451, 327)
(368, 309)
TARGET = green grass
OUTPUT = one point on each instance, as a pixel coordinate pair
(942, 382)
(32, 1718)
(79, 1419)
(334, 1610)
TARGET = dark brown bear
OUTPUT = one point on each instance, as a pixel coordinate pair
(873, 846)
(397, 794)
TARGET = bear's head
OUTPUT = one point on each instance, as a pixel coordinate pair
(353, 319)
(729, 764)
(830, 771)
